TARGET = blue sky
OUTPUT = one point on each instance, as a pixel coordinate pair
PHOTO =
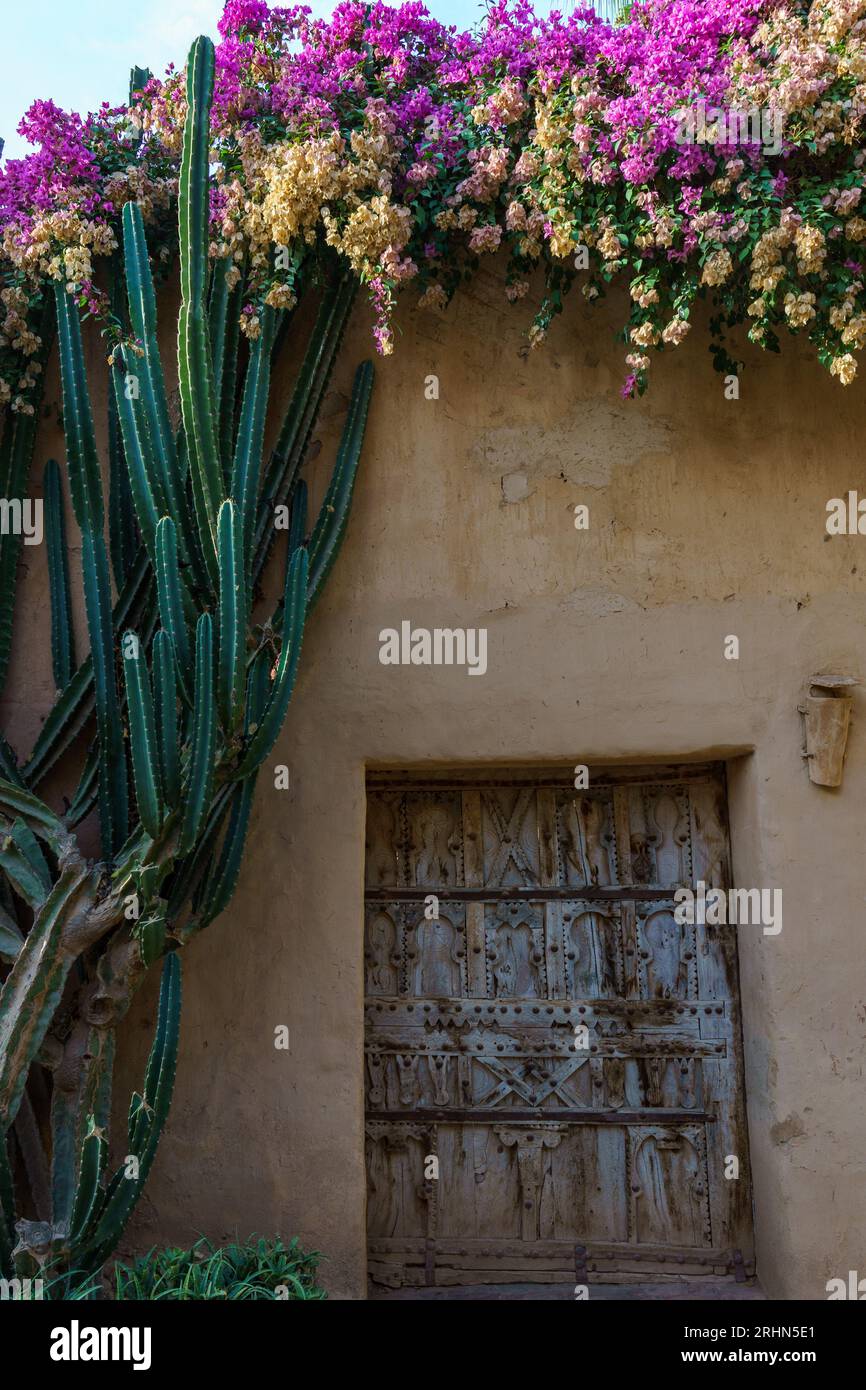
(79, 52)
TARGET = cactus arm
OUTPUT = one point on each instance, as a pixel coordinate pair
(144, 485)
(163, 1054)
(170, 599)
(84, 799)
(182, 453)
(218, 322)
(113, 805)
(32, 989)
(298, 520)
(79, 1094)
(16, 801)
(157, 439)
(231, 667)
(284, 323)
(86, 488)
(62, 640)
(251, 433)
(146, 1122)
(84, 479)
(190, 872)
(165, 696)
(300, 417)
(28, 845)
(225, 869)
(9, 769)
(225, 309)
(142, 317)
(297, 532)
(150, 935)
(68, 717)
(201, 763)
(195, 368)
(88, 1193)
(258, 690)
(313, 378)
(224, 861)
(138, 80)
(334, 513)
(122, 530)
(21, 876)
(142, 736)
(7, 900)
(74, 706)
(294, 613)
(85, 796)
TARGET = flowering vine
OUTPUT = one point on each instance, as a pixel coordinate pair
(697, 149)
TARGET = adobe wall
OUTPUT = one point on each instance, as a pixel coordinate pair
(706, 519)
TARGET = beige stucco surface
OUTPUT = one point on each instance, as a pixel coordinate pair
(706, 520)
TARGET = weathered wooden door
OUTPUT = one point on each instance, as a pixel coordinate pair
(507, 912)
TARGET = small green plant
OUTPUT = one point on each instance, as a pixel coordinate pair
(257, 1269)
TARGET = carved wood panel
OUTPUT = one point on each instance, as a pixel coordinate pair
(553, 1062)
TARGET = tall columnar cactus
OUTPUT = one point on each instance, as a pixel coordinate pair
(176, 706)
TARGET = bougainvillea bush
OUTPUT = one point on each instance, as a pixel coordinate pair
(413, 151)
